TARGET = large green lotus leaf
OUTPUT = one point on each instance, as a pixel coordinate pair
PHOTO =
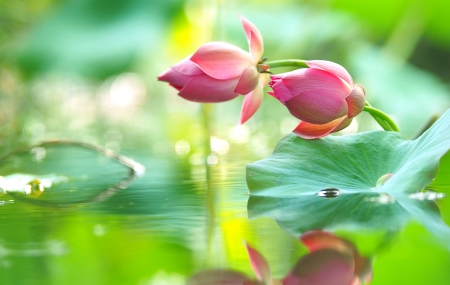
(285, 186)
(64, 173)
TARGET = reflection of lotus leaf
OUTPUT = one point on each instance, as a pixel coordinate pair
(285, 185)
(63, 172)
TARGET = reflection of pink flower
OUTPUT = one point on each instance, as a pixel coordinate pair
(228, 277)
(323, 96)
(219, 72)
(331, 260)
(221, 277)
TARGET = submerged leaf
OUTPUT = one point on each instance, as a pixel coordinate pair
(291, 184)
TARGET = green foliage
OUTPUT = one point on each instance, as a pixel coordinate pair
(94, 38)
(413, 16)
(411, 95)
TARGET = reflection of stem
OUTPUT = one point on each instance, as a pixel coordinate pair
(386, 242)
(210, 194)
(383, 119)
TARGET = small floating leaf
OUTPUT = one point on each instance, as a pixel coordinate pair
(61, 172)
(380, 176)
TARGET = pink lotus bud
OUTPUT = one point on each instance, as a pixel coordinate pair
(219, 72)
(323, 96)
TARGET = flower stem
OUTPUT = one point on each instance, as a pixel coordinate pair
(379, 120)
(286, 62)
(382, 119)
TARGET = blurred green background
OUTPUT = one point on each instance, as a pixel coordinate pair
(86, 70)
(90, 66)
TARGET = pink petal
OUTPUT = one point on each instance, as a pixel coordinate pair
(218, 277)
(259, 265)
(332, 67)
(174, 78)
(318, 106)
(277, 77)
(251, 103)
(202, 88)
(345, 123)
(356, 281)
(356, 101)
(187, 67)
(293, 280)
(322, 267)
(313, 131)
(264, 79)
(280, 91)
(248, 81)
(308, 79)
(222, 60)
(253, 100)
(363, 268)
(316, 240)
(254, 38)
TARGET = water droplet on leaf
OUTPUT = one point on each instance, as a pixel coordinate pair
(38, 153)
(427, 195)
(382, 199)
(383, 179)
(329, 193)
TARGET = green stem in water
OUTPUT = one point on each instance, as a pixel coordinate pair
(287, 62)
(210, 193)
(384, 120)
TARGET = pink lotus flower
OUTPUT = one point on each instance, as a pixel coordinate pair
(331, 260)
(219, 72)
(323, 96)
